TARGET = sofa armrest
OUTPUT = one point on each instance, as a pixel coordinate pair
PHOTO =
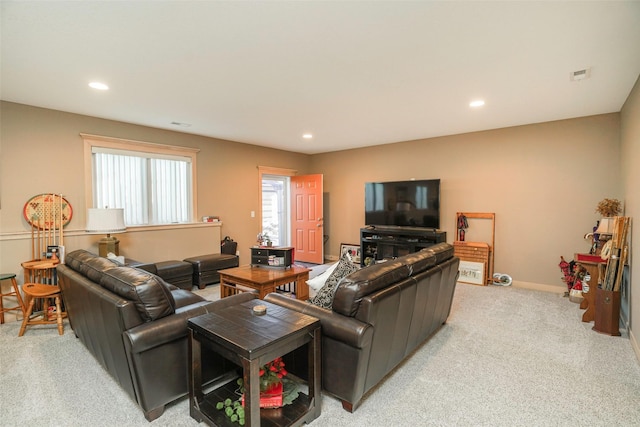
(334, 325)
(153, 334)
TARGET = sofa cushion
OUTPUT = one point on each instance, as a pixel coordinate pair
(442, 251)
(419, 261)
(365, 281)
(88, 264)
(152, 298)
(324, 297)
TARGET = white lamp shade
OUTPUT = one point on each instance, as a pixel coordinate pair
(105, 221)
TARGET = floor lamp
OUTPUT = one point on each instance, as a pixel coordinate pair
(106, 221)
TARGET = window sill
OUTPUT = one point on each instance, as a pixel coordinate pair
(21, 235)
(172, 226)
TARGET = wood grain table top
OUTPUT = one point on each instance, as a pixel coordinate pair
(262, 275)
(240, 330)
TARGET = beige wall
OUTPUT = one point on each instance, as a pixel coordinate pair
(630, 136)
(42, 151)
(542, 181)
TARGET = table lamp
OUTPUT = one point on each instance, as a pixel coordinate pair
(106, 221)
(605, 226)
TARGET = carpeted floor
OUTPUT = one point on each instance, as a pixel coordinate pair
(506, 357)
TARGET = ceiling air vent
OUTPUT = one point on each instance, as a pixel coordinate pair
(580, 75)
(184, 125)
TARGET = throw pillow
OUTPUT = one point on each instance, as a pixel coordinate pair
(324, 297)
(318, 282)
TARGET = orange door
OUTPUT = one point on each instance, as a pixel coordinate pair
(306, 218)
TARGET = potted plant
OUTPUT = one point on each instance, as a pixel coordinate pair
(609, 207)
(264, 239)
(273, 392)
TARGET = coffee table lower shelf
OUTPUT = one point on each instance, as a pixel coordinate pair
(293, 414)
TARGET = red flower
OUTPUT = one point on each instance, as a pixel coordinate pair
(272, 373)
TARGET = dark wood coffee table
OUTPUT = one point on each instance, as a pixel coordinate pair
(264, 279)
(251, 341)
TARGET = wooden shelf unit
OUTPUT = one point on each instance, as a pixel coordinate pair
(387, 242)
(268, 256)
(478, 251)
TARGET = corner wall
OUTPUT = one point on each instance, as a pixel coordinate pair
(630, 155)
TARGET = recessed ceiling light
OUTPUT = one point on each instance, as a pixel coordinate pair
(99, 86)
(307, 136)
(476, 103)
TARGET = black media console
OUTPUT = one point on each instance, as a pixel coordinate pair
(379, 243)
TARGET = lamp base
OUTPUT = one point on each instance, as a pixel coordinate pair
(108, 244)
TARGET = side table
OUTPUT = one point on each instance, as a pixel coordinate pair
(250, 341)
(592, 264)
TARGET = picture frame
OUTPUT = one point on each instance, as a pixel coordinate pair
(472, 272)
(353, 250)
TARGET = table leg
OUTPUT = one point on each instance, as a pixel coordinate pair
(251, 379)
(195, 376)
(227, 288)
(302, 289)
(315, 363)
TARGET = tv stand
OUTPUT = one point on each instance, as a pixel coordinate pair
(382, 242)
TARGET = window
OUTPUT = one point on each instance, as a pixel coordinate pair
(275, 209)
(155, 184)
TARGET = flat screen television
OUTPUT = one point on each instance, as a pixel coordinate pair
(403, 203)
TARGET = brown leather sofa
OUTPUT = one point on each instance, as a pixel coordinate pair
(135, 325)
(380, 315)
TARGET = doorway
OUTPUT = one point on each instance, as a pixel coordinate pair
(276, 209)
(291, 212)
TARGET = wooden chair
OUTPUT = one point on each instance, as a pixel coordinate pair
(40, 271)
(35, 291)
(14, 292)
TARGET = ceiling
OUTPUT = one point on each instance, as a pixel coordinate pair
(353, 74)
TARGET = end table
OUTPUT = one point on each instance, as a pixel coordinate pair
(250, 341)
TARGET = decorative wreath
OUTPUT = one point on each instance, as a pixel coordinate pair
(44, 211)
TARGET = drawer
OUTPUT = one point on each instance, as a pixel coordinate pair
(262, 260)
(471, 251)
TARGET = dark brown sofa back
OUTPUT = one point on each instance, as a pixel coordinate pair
(369, 280)
(125, 318)
(380, 315)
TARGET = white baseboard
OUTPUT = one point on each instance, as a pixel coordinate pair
(540, 287)
(634, 345)
(536, 287)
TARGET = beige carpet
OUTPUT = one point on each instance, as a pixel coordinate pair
(506, 357)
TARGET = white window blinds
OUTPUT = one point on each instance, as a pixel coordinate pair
(152, 188)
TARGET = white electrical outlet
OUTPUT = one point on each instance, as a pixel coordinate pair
(253, 214)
